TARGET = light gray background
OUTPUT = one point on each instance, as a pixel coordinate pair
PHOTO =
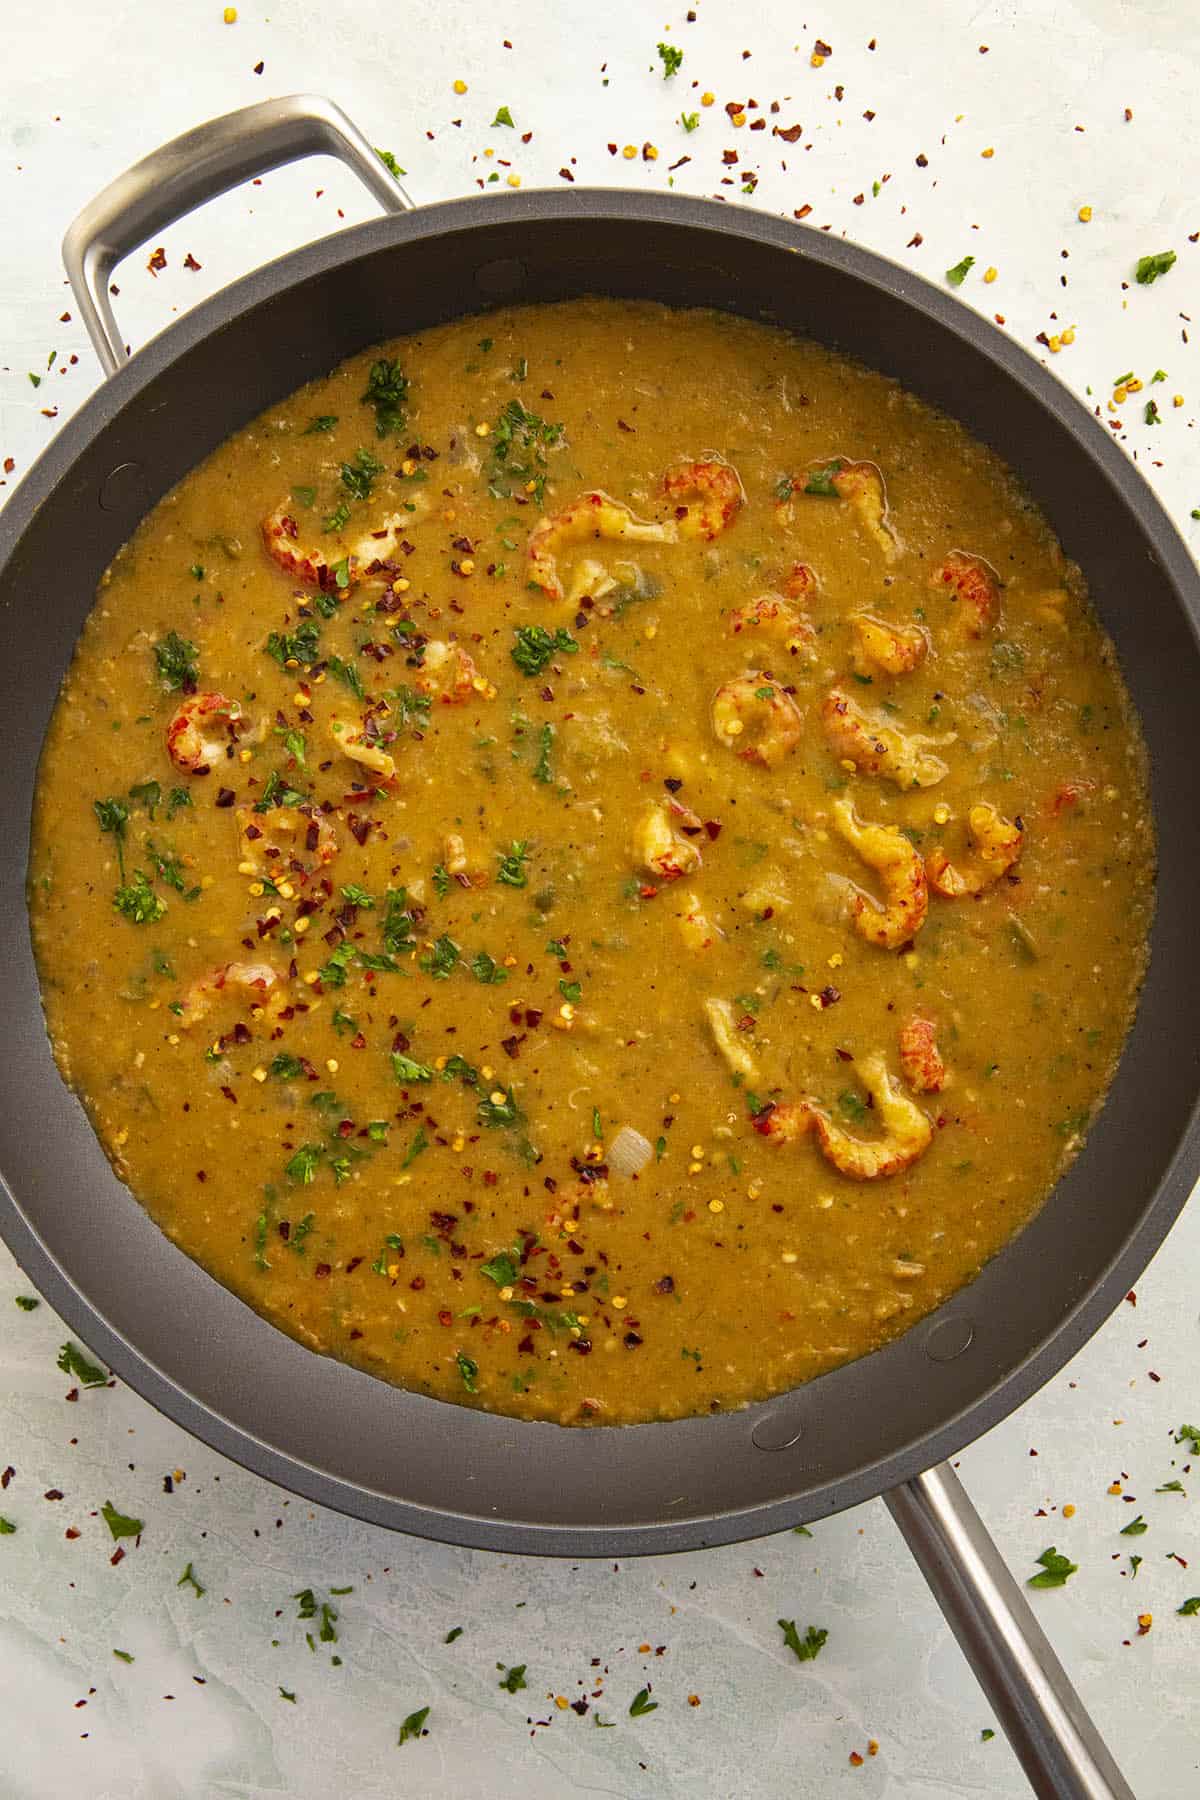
(88, 89)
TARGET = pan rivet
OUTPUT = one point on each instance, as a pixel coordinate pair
(777, 1432)
(949, 1338)
(124, 489)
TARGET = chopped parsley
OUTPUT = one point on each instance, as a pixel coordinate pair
(806, 1648)
(357, 896)
(519, 441)
(358, 476)
(118, 1523)
(468, 1368)
(302, 1167)
(441, 880)
(397, 930)
(113, 816)
(641, 1704)
(512, 872)
(513, 1680)
(541, 769)
(176, 660)
(387, 392)
(504, 117)
(72, 1362)
(1056, 1570)
(487, 970)
(414, 1725)
(277, 792)
(391, 1242)
(571, 990)
(138, 902)
(7, 1528)
(535, 646)
(302, 646)
(1189, 1434)
(347, 674)
(389, 162)
(1135, 1528)
(1149, 268)
(322, 422)
(822, 481)
(419, 1143)
(671, 57)
(502, 1268)
(690, 122)
(406, 1070)
(958, 274)
(499, 1108)
(442, 960)
(1190, 1607)
(27, 1303)
(188, 1579)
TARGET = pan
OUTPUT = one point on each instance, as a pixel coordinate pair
(883, 1425)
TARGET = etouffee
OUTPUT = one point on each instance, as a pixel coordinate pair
(595, 863)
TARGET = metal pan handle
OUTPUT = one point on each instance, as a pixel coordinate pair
(1042, 1716)
(197, 167)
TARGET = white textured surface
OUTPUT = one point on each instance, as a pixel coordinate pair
(90, 88)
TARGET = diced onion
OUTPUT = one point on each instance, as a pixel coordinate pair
(629, 1152)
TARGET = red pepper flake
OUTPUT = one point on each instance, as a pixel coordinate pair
(821, 48)
(72, 1531)
(323, 1271)
(258, 68)
(53, 1494)
(7, 1476)
(158, 260)
(117, 1556)
(802, 212)
(566, 174)
(10, 464)
(856, 1761)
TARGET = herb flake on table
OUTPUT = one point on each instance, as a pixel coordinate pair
(513, 1680)
(641, 1704)
(414, 1726)
(188, 1579)
(1135, 1528)
(671, 57)
(504, 117)
(120, 1524)
(73, 1362)
(7, 1528)
(1056, 1570)
(958, 274)
(1149, 268)
(806, 1648)
(27, 1303)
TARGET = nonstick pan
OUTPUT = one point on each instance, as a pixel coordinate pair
(878, 1426)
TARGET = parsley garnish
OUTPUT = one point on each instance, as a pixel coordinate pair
(806, 1648)
(535, 646)
(334, 521)
(821, 481)
(442, 960)
(322, 422)
(419, 1143)
(387, 392)
(357, 896)
(397, 922)
(277, 792)
(690, 121)
(177, 663)
(302, 1167)
(519, 442)
(389, 162)
(113, 815)
(958, 274)
(1135, 1528)
(300, 646)
(486, 969)
(188, 1579)
(72, 1362)
(504, 117)
(672, 59)
(541, 769)
(118, 1523)
(513, 1680)
(405, 1069)
(511, 872)
(27, 1303)
(138, 901)
(1190, 1434)
(1149, 268)
(468, 1368)
(502, 1268)
(358, 477)
(1190, 1607)
(441, 880)
(347, 674)
(641, 1704)
(414, 1725)
(6, 1528)
(149, 795)
(1055, 1571)
(571, 990)
(502, 1111)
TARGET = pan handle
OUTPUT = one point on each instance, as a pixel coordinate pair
(197, 167)
(1042, 1716)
